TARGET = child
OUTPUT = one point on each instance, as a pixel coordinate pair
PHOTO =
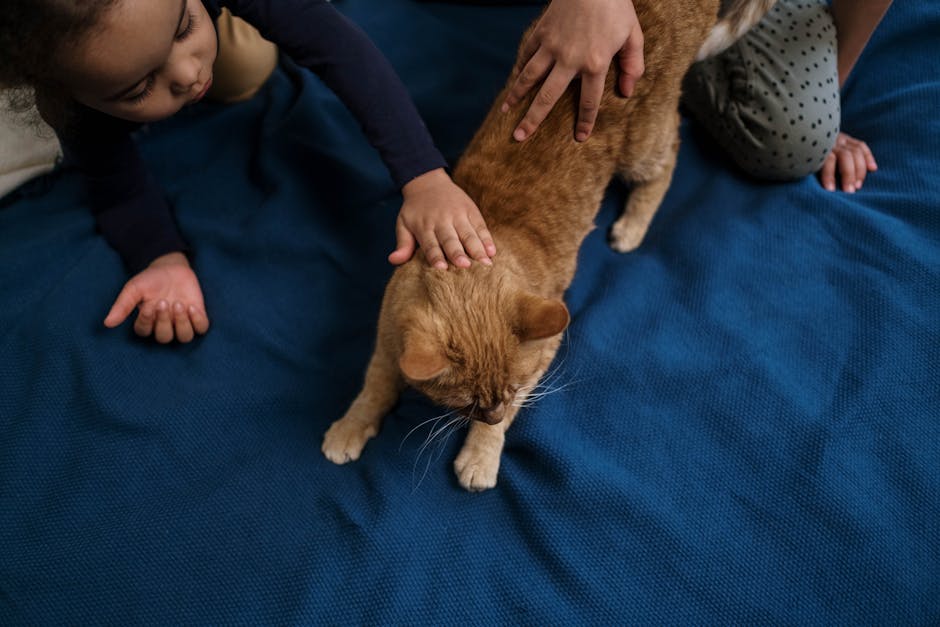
(771, 100)
(99, 68)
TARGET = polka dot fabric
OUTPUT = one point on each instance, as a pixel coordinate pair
(772, 100)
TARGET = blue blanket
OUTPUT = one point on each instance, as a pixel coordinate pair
(746, 426)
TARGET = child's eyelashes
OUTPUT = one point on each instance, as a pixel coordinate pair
(190, 27)
(148, 85)
(144, 93)
(189, 24)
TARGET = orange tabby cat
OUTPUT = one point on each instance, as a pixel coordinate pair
(478, 339)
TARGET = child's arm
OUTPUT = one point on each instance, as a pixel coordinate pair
(436, 213)
(135, 219)
(855, 20)
(128, 205)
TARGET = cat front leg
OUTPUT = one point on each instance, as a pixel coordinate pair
(345, 439)
(477, 464)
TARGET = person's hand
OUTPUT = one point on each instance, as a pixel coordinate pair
(572, 38)
(442, 220)
(852, 159)
(169, 300)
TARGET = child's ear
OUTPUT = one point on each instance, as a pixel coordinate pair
(538, 318)
(420, 360)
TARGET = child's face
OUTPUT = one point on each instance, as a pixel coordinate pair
(145, 60)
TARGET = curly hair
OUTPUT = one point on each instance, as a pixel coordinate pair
(33, 36)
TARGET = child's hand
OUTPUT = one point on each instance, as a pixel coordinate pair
(853, 159)
(443, 220)
(577, 39)
(169, 299)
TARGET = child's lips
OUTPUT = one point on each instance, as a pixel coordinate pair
(204, 91)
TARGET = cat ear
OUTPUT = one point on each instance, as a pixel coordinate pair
(538, 317)
(420, 361)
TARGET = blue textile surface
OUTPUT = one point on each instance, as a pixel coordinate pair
(747, 427)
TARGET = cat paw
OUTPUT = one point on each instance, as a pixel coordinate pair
(476, 470)
(625, 237)
(344, 441)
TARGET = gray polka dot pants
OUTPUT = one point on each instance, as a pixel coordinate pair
(772, 100)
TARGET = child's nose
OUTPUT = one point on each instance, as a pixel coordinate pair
(185, 74)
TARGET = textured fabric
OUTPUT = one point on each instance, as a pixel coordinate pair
(772, 99)
(745, 429)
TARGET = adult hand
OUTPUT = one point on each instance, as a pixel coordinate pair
(577, 38)
(169, 300)
(439, 217)
(852, 159)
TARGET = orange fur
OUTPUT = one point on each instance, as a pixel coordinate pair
(479, 339)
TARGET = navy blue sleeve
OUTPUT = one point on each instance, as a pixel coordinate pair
(129, 207)
(317, 36)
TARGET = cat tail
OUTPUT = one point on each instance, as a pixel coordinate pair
(737, 18)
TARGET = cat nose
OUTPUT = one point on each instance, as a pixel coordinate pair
(492, 415)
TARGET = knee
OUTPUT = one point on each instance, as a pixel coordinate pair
(795, 148)
(777, 93)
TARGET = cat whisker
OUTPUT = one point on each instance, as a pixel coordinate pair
(434, 433)
(527, 396)
(434, 419)
(546, 392)
(444, 430)
(427, 441)
(553, 375)
(544, 382)
(455, 423)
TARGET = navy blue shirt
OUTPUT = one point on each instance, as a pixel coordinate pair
(130, 208)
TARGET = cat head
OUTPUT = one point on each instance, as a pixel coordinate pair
(471, 338)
